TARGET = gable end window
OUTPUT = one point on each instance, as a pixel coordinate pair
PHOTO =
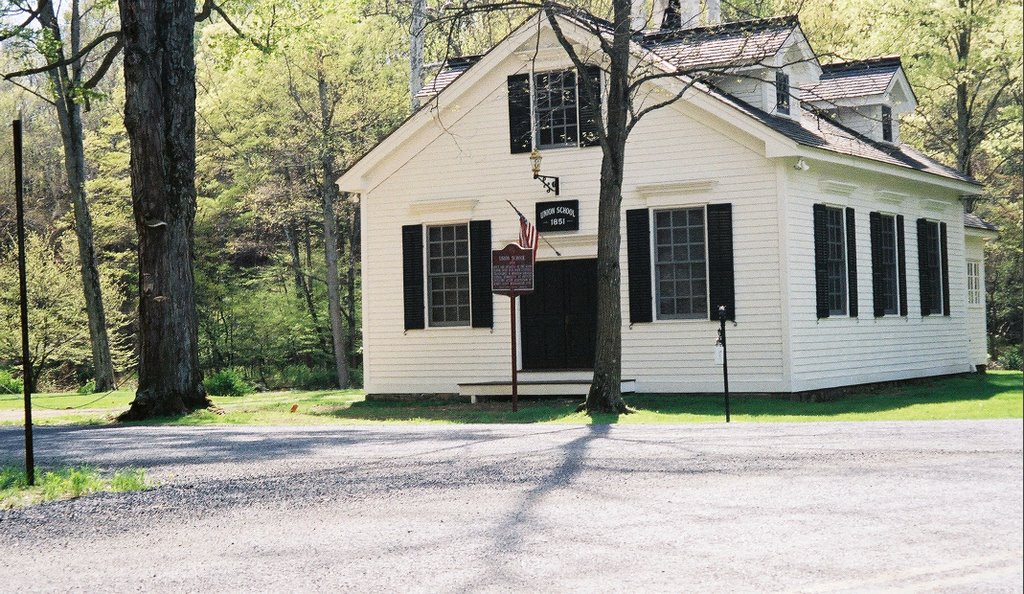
(886, 123)
(551, 110)
(933, 269)
(835, 261)
(781, 92)
(888, 274)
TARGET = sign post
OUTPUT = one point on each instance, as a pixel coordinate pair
(26, 364)
(725, 358)
(512, 275)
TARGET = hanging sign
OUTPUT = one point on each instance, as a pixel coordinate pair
(561, 215)
(512, 270)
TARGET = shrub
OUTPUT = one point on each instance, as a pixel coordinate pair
(9, 384)
(88, 387)
(1011, 358)
(227, 382)
(304, 378)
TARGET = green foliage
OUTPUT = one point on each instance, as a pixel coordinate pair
(226, 382)
(64, 483)
(9, 384)
(1012, 358)
(88, 387)
(58, 328)
(301, 377)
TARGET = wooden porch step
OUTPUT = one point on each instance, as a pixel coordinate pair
(534, 387)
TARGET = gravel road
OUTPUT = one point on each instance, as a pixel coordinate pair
(811, 507)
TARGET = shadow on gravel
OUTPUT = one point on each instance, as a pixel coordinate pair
(508, 534)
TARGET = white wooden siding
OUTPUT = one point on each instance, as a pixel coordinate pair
(842, 350)
(976, 313)
(470, 162)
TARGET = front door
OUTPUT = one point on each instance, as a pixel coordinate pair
(559, 318)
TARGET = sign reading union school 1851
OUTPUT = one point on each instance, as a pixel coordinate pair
(511, 270)
(562, 215)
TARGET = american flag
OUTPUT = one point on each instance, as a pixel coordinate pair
(528, 239)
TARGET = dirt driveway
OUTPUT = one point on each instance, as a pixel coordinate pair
(812, 507)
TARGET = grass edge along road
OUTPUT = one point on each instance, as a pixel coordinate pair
(997, 394)
(66, 482)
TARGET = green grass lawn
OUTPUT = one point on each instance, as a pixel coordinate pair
(997, 394)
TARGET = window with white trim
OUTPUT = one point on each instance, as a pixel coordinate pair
(448, 275)
(974, 282)
(680, 263)
(556, 109)
(889, 261)
(836, 245)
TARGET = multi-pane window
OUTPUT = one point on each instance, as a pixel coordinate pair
(781, 92)
(556, 109)
(931, 258)
(836, 261)
(973, 282)
(886, 123)
(889, 273)
(448, 275)
(680, 260)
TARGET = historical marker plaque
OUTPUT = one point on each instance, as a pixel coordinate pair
(512, 270)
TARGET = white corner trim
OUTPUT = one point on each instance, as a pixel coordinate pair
(891, 197)
(933, 204)
(461, 206)
(652, 192)
(835, 186)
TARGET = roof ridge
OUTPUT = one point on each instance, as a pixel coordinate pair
(863, 64)
(730, 27)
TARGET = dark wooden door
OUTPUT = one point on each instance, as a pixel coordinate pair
(560, 317)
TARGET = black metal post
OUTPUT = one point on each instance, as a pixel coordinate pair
(515, 364)
(26, 363)
(725, 358)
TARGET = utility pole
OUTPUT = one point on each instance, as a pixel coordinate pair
(26, 363)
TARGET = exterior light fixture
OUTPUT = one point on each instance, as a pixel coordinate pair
(550, 182)
(801, 165)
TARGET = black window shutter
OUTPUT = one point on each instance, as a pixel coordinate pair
(901, 253)
(590, 111)
(924, 276)
(945, 269)
(851, 260)
(877, 278)
(821, 260)
(412, 275)
(520, 126)
(481, 307)
(721, 280)
(638, 254)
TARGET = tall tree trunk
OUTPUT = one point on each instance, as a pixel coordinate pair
(160, 100)
(69, 118)
(416, 34)
(605, 395)
(329, 193)
(964, 138)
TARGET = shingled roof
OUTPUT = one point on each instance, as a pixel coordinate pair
(448, 71)
(861, 78)
(740, 43)
(973, 220)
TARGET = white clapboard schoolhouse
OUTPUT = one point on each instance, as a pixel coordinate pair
(778, 187)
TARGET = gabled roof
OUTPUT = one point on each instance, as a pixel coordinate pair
(740, 43)
(843, 80)
(449, 70)
(817, 131)
(974, 221)
(752, 40)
